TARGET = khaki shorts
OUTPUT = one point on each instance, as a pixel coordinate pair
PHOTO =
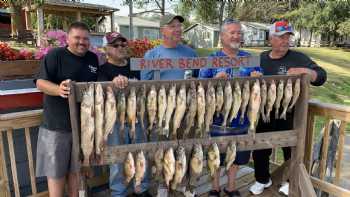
(53, 158)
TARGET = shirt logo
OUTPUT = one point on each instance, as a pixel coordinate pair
(282, 70)
(93, 69)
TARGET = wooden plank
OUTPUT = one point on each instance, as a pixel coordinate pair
(18, 69)
(309, 141)
(41, 194)
(30, 160)
(305, 185)
(4, 181)
(329, 188)
(22, 114)
(340, 151)
(324, 151)
(13, 162)
(114, 154)
(339, 112)
(20, 120)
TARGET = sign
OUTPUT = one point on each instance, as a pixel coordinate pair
(193, 62)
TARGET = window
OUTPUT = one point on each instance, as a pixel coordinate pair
(151, 34)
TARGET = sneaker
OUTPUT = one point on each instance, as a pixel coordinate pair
(284, 189)
(258, 188)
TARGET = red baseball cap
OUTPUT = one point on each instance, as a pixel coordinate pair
(111, 37)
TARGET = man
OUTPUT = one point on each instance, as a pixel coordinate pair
(171, 31)
(231, 34)
(58, 68)
(280, 60)
(117, 69)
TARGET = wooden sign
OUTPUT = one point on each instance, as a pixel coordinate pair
(194, 62)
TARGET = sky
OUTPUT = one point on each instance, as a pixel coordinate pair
(124, 10)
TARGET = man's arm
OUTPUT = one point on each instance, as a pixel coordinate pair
(53, 89)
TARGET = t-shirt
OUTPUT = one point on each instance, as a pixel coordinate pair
(108, 71)
(162, 52)
(58, 65)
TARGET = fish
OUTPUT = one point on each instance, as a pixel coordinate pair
(230, 155)
(288, 94)
(213, 159)
(151, 108)
(131, 113)
(141, 105)
(129, 168)
(110, 113)
(227, 102)
(219, 99)
(196, 162)
(263, 95)
(254, 105)
(236, 101)
(99, 118)
(162, 104)
(87, 116)
(140, 168)
(245, 100)
(192, 109)
(170, 108)
(211, 106)
(180, 110)
(180, 167)
(296, 93)
(158, 161)
(280, 90)
(271, 98)
(168, 166)
(200, 109)
(121, 109)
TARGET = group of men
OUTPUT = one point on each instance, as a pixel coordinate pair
(76, 62)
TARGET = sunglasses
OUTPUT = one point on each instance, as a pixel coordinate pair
(123, 45)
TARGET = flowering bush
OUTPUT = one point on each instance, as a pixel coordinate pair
(7, 53)
(139, 47)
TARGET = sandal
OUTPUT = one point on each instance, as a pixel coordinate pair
(234, 193)
(214, 193)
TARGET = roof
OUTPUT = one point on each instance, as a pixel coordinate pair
(262, 26)
(137, 21)
(213, 27)
(90, 6)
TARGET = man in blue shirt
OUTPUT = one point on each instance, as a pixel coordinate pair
(230, 35)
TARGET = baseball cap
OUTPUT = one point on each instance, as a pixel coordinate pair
(166, 19)
(281, 27)
(111, 37)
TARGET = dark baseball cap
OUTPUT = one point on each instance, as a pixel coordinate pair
(111, 37)
(166, 19)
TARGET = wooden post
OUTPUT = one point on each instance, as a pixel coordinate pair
(340, 151)
(78, 17)
(4, 181)
(300, 118)
(325, 145)
(28, 20)
(309, 141)
(30, 160)
(40, 22)
(112, 22)
(13, 162)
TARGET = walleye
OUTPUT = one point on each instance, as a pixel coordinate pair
(131, 112)
(129, 168)
(110, 113)
(158, 163)
(151, 108)
(227, 102)
(263, 95)
(296, 93)
(230, 155)
(279, 97)
(213, 159)
(271, 98)
(169, 166)
(200, 109)
(219, 99)
(140, 168)
(87, 123)
(141, 106)
(192, 108)
(180, 110)
(99, 112)
(245, 100)
(196, 163)
(162, 104)
(180, 167)
(121, 109)
(254, 105)
(288, 93)
(170, 108)
(210, 104)
(236, 101)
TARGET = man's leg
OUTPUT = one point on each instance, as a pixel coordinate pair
(56, 186)
(262, 165)
(73, 184)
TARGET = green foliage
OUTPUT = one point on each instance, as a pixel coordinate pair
(344, 28)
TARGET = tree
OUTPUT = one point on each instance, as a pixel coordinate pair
(160, 4)
(344, 28)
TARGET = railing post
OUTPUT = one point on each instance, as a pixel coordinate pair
(4, 181)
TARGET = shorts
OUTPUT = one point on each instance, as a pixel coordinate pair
(53, 158)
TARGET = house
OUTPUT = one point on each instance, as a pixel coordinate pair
(315, 39)
(207, 36)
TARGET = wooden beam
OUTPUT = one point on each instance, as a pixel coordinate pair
(30, 160)
(4, 181)
(112, 22)
(340, 151)
(78, 16)
(330, 188)
(309, 141)
(305, 185)
(28, 20)
(13, 162)
(40, 23)
(335, 111)
(324, 152)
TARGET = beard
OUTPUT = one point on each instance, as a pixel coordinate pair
(234, 45)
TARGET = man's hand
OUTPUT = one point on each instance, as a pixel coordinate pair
(255, 74)
(64, 89)
(120, 81)
(297, 71)
(222, 75)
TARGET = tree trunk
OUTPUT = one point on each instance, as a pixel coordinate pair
(163, 8)
(221, 12)
(310, 39)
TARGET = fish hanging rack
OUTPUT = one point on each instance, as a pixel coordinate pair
(294, 138)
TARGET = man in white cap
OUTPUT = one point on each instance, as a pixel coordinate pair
(280, 60)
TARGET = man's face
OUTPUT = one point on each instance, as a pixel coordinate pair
(78, 41)
(231, 36)
(172, 31)
(280, 44)
(117, 50)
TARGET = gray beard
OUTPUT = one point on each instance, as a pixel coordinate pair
(234, 45)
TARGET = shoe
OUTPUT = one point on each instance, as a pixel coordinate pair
(234, 193)
(258, 188)
(214, 193)
(143, 194)
(284, 189)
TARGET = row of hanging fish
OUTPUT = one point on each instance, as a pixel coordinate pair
(173, 166)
